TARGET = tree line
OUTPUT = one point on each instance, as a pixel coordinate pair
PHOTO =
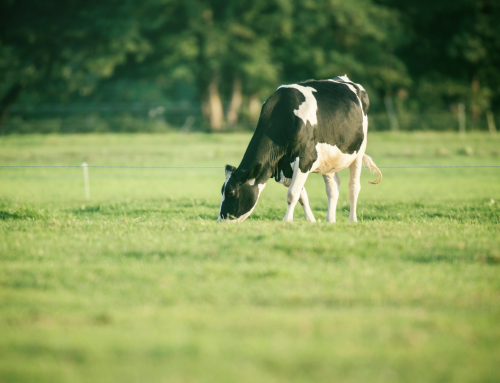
(226, 54)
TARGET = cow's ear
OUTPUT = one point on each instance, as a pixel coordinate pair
(255, 171)
(229, 170)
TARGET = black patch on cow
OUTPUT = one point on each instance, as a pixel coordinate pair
(363, 96)
(279, 122)
(365, 102)
(285, 167)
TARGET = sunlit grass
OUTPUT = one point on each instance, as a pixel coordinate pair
(141, 284)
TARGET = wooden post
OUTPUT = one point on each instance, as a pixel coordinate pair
(461, 120)
(393, 120)
(86, 180)
(491, 122)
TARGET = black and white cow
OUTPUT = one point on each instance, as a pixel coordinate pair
(310, 127)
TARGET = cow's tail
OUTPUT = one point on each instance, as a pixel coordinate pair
(373, 168)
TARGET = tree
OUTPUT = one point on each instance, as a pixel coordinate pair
(452, 51)
(64, 47)
(328, 38)
(222, 47)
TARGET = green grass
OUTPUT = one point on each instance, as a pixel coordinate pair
(140, 284)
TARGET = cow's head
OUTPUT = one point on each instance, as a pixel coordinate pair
(240, 193)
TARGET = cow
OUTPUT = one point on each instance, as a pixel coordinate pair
(316, 126)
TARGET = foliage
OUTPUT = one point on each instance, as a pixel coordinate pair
(452, 51)
(73, 43)
(439, 53)
(358, 38)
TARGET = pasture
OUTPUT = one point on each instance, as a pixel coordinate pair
(140, 284)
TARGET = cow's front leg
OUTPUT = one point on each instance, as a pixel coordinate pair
(295, 189)
(355, 186)
(304, 201)
(332, 185)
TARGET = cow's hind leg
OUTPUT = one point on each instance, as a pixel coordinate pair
(332, 185)
(355, 186)
(294, 191)
(304, 201)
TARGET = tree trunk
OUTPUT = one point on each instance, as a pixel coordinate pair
(476, 99)
(214, 105)
(254, 107)
(235, 105)
(8, 100)
(205, 108)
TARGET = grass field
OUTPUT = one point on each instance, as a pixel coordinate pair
(140, 284)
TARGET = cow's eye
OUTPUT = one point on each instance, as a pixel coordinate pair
(232, 192)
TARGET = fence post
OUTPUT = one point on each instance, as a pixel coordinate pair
(491, 122)
(393, 120)
(86, 180)
(461, 120)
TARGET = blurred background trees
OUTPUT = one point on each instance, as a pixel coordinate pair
(216, 61)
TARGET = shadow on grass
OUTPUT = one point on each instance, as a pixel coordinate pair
(453, 257)
(143, 255)
(34, 350)
(478, 211)
(438, 258)
(149, 207)
(20, 214)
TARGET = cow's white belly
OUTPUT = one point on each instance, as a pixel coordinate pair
(331, 159)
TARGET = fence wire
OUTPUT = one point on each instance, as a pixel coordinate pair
(112, 166)
(222, 167)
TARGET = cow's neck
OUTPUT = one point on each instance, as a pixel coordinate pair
(261, 149)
